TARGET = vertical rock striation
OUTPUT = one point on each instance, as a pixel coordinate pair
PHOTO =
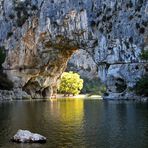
(40, 36)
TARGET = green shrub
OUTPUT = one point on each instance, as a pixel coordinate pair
(141, 87)
(93, 86)
(144, 55)
(71, 83)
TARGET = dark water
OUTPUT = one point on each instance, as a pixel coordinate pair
(77, 123)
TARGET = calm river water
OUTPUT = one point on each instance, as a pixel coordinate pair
(76, 123)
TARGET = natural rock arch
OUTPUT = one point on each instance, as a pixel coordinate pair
(40, 36)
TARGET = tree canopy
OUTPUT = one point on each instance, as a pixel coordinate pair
(71, 83)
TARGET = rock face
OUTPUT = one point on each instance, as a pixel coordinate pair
(24, 136)
(40, 36)
(83, 63)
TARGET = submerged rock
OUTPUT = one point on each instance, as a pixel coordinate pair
(25, 136)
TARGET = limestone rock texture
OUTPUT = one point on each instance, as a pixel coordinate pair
(83, 63)
(104, 38)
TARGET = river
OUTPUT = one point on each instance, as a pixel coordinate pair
(76, 123)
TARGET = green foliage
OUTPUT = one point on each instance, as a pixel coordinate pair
(141, 87)
(93, 86)
(71, 83)
(2, 56)
(144, 55)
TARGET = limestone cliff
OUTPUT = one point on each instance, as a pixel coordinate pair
(40, 36)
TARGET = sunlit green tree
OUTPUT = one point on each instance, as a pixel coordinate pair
(71, 83)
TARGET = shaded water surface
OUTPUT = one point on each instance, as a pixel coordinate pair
(76, 123)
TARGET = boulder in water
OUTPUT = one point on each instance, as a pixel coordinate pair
(25, 136)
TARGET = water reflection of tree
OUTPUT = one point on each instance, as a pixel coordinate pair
(68, 114)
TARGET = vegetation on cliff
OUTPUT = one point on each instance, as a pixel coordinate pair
(141, 87)
(71, 83)
(144, 55)
(93, 86)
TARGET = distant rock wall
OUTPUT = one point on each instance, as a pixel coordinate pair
(40, 36)
(83, 63)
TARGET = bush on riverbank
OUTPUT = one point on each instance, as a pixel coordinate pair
(71, 83)
(141, 87)
(93, 86)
